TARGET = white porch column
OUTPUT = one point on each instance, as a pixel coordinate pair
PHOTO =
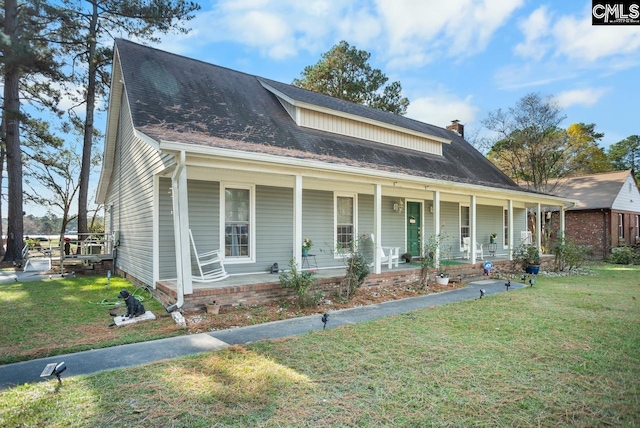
(510, 228)
(297, 221)
(538, 227)
(377, 226)
(472, 227)
(181, 228)
(436, 225)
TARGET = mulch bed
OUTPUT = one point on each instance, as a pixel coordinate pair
(240, 316)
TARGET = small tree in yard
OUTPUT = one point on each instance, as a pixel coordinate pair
(302, 282)
(434, 256)
(357, 258)
(568, 255)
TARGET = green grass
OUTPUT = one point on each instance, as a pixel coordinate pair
(563, 353)
(50, 317)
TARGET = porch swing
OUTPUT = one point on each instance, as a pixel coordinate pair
(210, 264)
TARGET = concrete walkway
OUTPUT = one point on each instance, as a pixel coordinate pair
(118, 357)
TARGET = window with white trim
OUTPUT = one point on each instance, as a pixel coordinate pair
(464, 223)
(345, 221)
(506, 228)
(237, 208)
(637, 226)
(620, 225)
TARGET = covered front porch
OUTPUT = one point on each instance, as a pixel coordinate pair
(263, 288)
(257, 212)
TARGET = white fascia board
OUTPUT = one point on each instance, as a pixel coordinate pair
(113, 114)
(429, 184)
(355, 117)
(144, 137)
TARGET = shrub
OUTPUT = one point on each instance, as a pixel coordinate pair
(357, 272)
(568, 255)
(623, 256)
(302, 282)
(428, 261)
(525, 255)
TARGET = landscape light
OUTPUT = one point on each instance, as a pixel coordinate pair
(54, 369)
(325, 318)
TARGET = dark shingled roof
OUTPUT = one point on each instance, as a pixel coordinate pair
(596, 191)
(174, 98)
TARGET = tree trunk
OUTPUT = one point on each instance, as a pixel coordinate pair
(2, 158)
(11, 124)
(85, 171)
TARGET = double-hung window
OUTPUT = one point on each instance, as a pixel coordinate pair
(620, 225)
(237, 202)
(506, 228)
(345, 222)
(464, 224)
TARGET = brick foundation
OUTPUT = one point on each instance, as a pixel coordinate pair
(272, 291)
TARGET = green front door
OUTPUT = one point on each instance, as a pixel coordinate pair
(413, 228)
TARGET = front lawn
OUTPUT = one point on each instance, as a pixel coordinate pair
(565, 352)
(50, 317)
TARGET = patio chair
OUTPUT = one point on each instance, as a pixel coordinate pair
(389, 255)
(479, 251)
(466, 247)
(210, 264)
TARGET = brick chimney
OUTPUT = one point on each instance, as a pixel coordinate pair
(456, 126)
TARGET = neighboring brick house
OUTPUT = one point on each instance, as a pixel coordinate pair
(608, 214)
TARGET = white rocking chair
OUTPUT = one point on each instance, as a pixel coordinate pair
(466, 247)
(210, 264)
(479, 251)
(388, 255)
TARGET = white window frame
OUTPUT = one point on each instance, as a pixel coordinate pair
(620, 225)
(460, 225)
(337, 195)
(637, 225)
(505, 227)
(251, 258)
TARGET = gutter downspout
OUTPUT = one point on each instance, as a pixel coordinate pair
(181, 230)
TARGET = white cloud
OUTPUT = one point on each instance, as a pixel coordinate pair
(408, 33)
(577, 39)
(586, 97)
(418, 31)
(535, 29)
(279, 29)
(440, 109)
(573, 37)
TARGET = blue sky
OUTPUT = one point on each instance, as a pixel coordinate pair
(458, 59)
(454, 61)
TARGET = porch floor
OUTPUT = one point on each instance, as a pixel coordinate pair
(259, 288)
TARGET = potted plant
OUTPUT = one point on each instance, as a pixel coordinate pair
(213, 307)
(306, 246)
(528, 257)
(492, 238)
(436, 245)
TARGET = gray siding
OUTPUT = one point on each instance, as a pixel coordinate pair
(393, 226)
(519, 224)
(490, 220)
(450, 227)
(317, 224)
(365, 214)
(166, 240)
(131, 196)
(204, 217)
(274, 229)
